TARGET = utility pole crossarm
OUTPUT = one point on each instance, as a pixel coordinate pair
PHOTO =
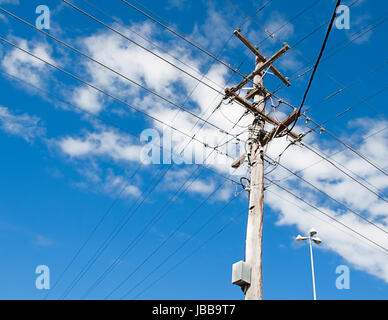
(266, 64)
(262, 57)
(251, 107)
(283, 126)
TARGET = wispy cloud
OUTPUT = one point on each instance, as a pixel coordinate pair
(42, 241)
(22, 65)
(104, 144)
(24, 125)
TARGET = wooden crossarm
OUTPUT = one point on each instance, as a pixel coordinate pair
(258, 90)
(265, 65)
(283, 126)
(250, 106)
(262, 57)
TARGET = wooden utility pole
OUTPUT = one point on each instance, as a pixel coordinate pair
(254, 236)
(258, 138)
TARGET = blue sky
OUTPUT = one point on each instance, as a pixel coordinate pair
(70, 154)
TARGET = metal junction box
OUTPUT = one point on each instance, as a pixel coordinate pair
(241, 274)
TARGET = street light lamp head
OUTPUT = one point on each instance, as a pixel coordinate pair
(313, 232)
(316, 240)
(299, 238)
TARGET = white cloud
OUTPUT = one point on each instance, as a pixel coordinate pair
(114, 184)
(76, 147)
(105, 143)
(23, 125)
(22, 65)
(179, 4)
(362, 35)
(202, 187)
(42, 241)
(216, 30)
(98, 180)
(88, 99)
(279, 27)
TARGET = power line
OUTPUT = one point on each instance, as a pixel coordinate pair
(300, 75)
(249, 18)
(230, 221)
(119, 33)
(303, 38)
(106, 93)
(139, 45)
(337, 152)
(297, 43)
(192, 91)
(129, 246)
(181, 246)
(218, 106)
(327, 222)
(115, 72)
(125, 37)
(337, 50)
(281, 27)
(202, 126)
(139, 236)
(151, 223)
(303, 135)
(82, 110)
(149, 41)
(182, 37)
(288, 22)
(77, 107)
(357, 152)
(322, 129)
(328, 215)
(338, 168)
(112, 266)
(172, 234)
(96, 116)
(317, 63)
(49, 93)
(244, 22)
(127, 217)
(382, 20)
(114, 234)
(300, 13)
(359, 79)
(94, 230)
(327, 195)
(223, 228)
(309, 119)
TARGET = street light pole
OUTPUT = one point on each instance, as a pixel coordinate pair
(312, 268)
(312, 238)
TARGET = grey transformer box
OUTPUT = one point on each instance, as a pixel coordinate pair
(241, 274)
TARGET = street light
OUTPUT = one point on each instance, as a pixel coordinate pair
(312, 238)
